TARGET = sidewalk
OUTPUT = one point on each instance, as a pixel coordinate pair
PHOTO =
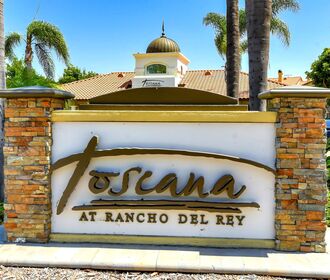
(164, 258)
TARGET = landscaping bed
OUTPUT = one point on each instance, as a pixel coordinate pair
(328, 210)
(1, 213)
(54, 273)
(328, 167)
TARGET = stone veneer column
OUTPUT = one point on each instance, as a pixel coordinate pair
(28, 140)
(301, 191)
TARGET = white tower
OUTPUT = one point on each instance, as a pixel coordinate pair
(163, 65)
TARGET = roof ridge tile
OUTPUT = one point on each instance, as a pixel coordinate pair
(87, 79)
(203, 70)
(98, 76)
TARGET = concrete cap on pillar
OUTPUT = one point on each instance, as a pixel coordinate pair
(35, 92)
(296, 91)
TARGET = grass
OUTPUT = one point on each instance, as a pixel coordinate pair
(1, 213)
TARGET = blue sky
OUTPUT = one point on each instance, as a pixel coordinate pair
(102, 35)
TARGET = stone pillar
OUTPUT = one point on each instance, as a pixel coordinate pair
(301, 191)
(28, 139)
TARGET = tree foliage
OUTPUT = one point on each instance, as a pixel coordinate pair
(18, 75)
(277, 27)
(219, 24)
(41, 39)
(11, 41)
(284, 5)
(2, 210)
(73, 73)
(320, 70)
(328, 210)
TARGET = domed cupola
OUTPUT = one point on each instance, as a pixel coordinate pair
(163, 44)
(163, 64)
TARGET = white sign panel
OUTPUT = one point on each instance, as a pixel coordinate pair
(163, 179)
(155, 81)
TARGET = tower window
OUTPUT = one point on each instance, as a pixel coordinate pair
(156, 69)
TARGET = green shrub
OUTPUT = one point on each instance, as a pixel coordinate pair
(328, 183)
(328, 167)
(1, 213)
(328, 210)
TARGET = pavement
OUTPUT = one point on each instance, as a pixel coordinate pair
(167, 258)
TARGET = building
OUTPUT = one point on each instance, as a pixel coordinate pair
(162, 65)
(290, 80)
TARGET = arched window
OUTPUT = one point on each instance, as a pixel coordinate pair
(156, 69)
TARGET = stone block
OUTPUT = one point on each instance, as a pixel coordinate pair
(300, 177)
(27, 161)
(289, 246)
(289, 163)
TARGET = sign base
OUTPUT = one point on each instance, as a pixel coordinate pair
(164, 240)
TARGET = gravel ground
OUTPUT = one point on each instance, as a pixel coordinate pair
(20, 273)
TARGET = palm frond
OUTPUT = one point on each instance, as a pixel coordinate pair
(217, 21)
(281, 30)
(220, 41)
(242, 22)
(284, 5)
(50, 36)
(12, 40)
(219, 24)
(44, 57)
(244, 46)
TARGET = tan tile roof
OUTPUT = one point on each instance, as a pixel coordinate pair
(208, 80)
(215, 82)
(291, 81)
(99, 85)
(308, 83)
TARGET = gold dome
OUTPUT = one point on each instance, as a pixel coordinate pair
(163, 44)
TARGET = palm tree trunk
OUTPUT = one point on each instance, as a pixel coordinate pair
(2, 49)
(2, 86)
(259, 14)
(28, 52)
(233, 49)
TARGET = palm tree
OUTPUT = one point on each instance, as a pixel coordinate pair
(278, 27)
(259, 13)
(2, 49)
(41, 38)
(233, 49)
(2, 86)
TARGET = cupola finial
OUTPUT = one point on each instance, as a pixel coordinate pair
(163, 29)
(163, 44)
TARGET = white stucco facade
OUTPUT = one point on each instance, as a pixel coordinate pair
(176, 67)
